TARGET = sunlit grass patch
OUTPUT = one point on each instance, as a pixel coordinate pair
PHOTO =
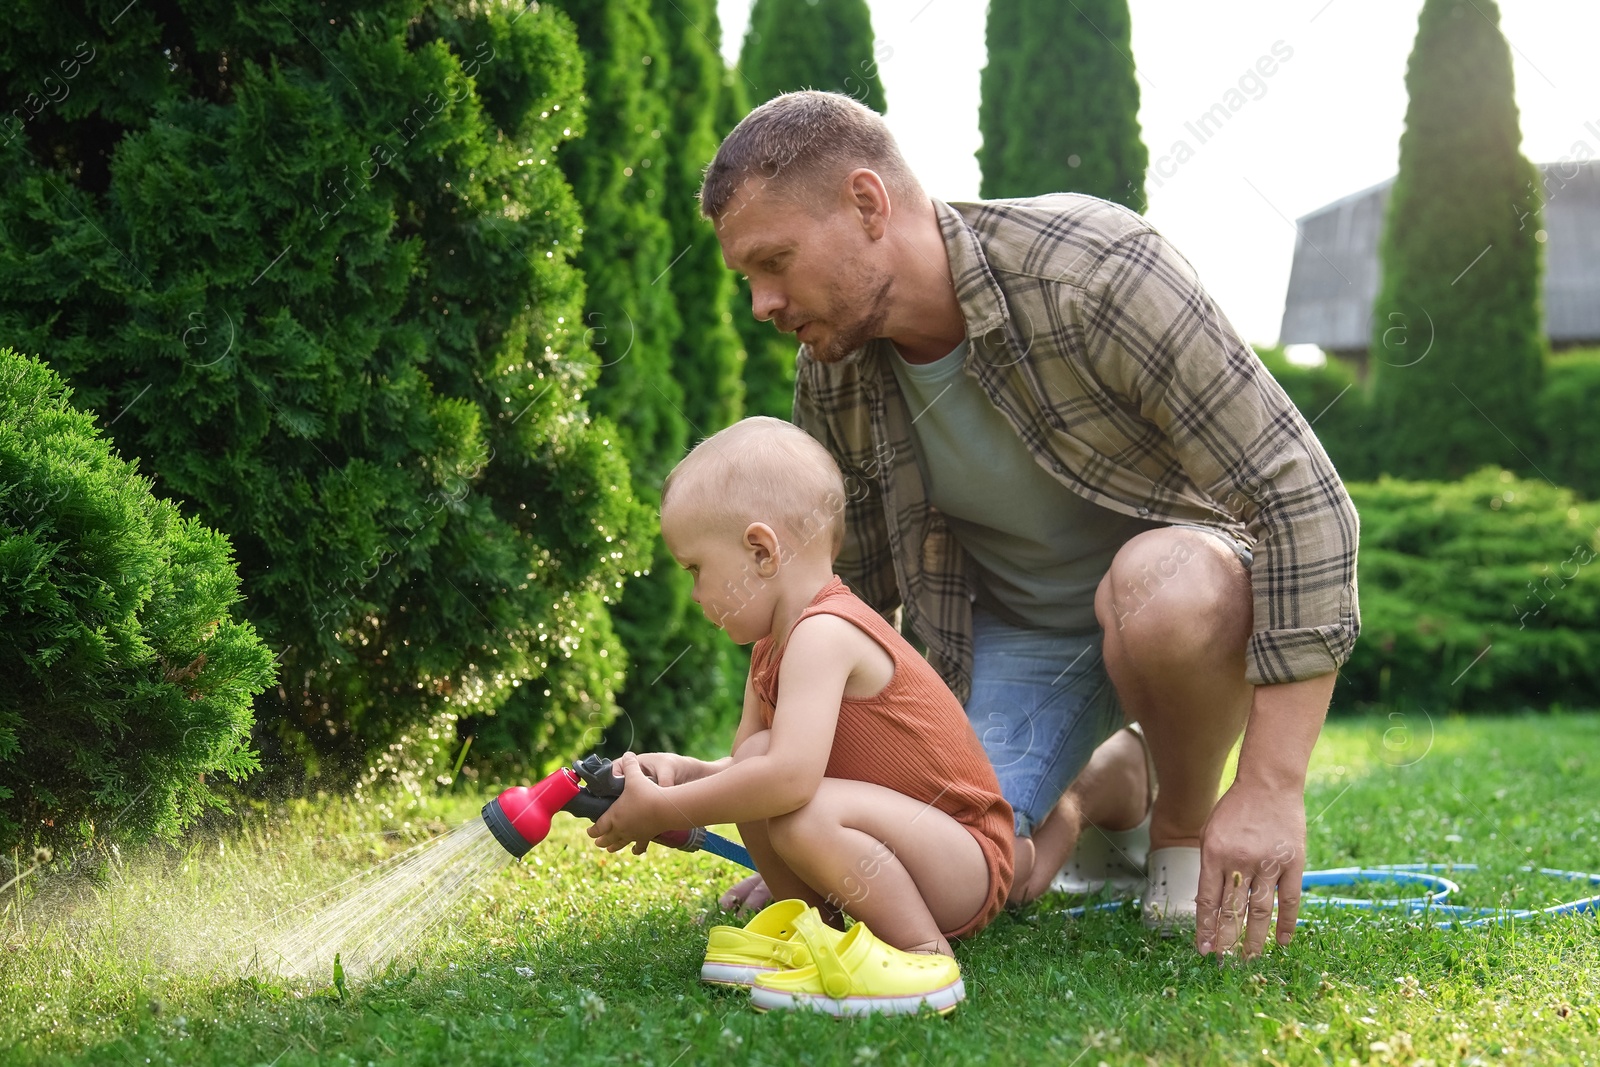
(579, 956)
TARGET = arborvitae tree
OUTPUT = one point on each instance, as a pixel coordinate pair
(706, 358)
(1059, 110)
(811, 44)
(696, 702)
(789, 45)
(1458, 344)
(312, 267)
(769, 355)
(616, 171)
(624, 171)
(127, 681)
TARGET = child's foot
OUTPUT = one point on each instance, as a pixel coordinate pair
(751, 894)
(856, 974)
(940, 947)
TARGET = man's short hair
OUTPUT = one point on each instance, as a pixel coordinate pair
(762, 469)
(798, 145)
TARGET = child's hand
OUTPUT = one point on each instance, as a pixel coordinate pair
(667, 768)
(638, 815)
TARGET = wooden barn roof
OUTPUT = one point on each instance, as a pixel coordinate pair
(1334, 278)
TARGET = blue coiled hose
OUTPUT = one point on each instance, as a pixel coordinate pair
(1434, 898)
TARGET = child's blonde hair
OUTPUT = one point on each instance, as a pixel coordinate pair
(763, 469)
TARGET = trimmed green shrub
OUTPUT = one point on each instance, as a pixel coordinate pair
(812, 44)
(1458, 345)
(663, 375)
(1481, 594)
(1059, 110)
(1569, 420)
(315, 265)
(127, 680)
(687, 686)
(769, 356)
(1337, 406)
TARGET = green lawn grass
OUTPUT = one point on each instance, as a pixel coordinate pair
(578, 957)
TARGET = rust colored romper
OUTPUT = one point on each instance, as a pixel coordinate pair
(912, 737)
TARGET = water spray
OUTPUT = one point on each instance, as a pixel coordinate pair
(374, 917)
(519, 818)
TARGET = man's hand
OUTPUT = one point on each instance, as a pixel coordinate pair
(638, 815)
(1252, 849)
(1254, 843)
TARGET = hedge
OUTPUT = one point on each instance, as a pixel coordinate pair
(315, 266)
(1477, 595)
(127, 678)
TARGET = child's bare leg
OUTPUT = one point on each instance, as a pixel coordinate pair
(903, 867)
(780, 882)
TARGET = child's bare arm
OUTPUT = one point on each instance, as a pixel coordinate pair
(823, 652)
(672, 768)
(751, 721)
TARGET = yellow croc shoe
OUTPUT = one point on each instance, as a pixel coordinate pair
(857, 974)
(768, 943)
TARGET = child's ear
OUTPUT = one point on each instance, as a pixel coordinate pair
(762, 543)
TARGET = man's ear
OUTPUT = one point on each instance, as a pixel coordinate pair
(762, 543)
(870, 197)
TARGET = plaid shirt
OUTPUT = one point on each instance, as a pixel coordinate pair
(1095, 340)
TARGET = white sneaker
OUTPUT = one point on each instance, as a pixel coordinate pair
(1112, 861)
(1169, 896)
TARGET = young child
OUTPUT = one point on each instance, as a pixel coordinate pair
(856, 781)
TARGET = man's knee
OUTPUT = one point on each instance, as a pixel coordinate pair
(1175, 587)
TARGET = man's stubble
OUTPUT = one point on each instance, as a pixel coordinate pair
(855, 326)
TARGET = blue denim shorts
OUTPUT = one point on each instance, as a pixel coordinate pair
(1042, 703)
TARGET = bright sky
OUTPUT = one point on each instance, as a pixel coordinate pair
(1326, 123)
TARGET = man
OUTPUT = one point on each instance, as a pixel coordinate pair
(1086, 494)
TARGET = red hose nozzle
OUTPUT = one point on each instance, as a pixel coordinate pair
(519, 818)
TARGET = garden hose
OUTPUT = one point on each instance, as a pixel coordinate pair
(1433, 900)
(519, 818)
